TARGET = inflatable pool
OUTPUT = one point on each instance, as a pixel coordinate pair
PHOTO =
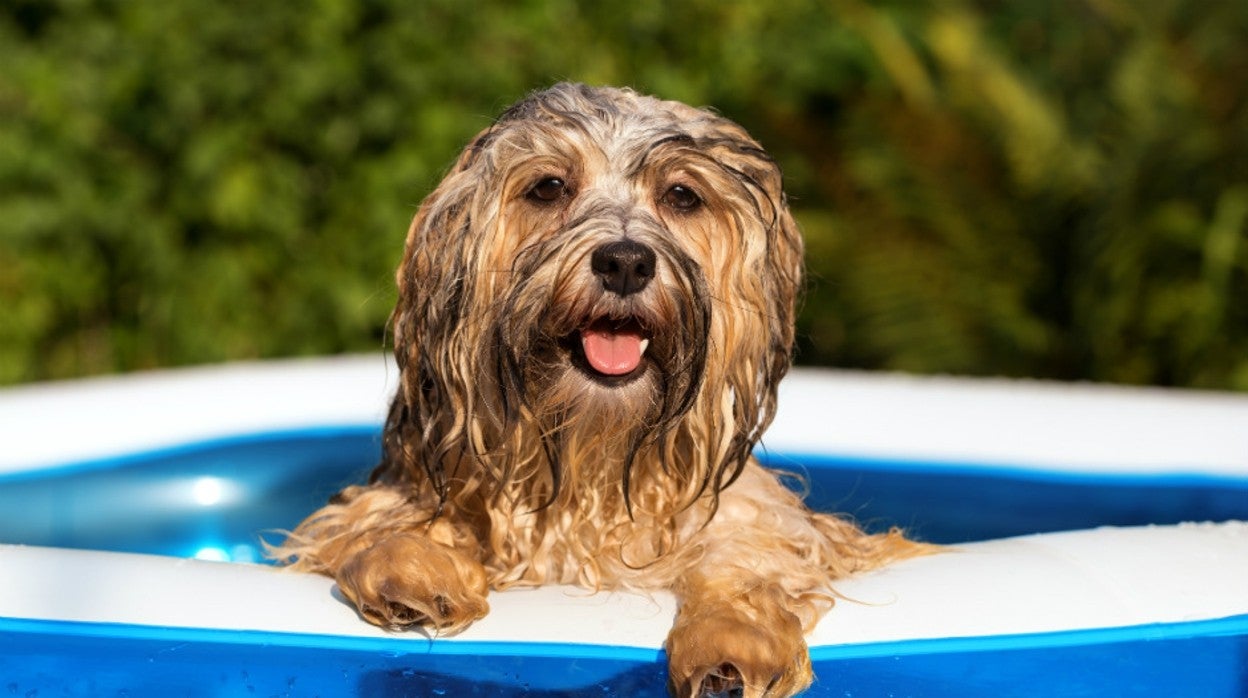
(1096, 544)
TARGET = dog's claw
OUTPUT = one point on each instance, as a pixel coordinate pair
(402, 615)
(723, 682)
(409, 580)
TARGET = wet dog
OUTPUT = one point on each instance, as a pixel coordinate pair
(595, 308)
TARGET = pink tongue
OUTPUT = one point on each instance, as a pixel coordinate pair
(610, 352)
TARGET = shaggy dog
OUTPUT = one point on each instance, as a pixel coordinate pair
(595, 308)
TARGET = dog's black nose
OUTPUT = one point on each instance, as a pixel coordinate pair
(625, 266)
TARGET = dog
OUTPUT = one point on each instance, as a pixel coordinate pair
(596, 306)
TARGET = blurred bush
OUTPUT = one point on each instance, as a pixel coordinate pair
(1049, 189)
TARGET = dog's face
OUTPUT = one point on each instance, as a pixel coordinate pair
(602, 264)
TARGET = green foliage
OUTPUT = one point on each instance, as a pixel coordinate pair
(1047, 189)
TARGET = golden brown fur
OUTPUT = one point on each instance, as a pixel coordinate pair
(511, 459)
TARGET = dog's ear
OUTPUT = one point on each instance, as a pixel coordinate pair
(428, 417)
(762, 184)
(764, 342)
(785, 255)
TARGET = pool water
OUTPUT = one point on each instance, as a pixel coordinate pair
(216, 499)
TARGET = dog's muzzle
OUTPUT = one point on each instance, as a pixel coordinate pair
(615, 347)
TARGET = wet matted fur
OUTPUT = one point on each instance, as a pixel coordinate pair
(595, 308)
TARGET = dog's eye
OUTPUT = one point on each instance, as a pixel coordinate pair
(682, 198)
(548, 189)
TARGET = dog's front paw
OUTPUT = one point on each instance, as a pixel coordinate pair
(718, 651)
(407, 580)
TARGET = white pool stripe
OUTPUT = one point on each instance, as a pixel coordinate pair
(1074, 427)
(56, 423)
(1107, 578)
(1104, 578)
(102, 587)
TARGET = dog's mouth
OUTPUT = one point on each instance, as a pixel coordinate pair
(611, 348)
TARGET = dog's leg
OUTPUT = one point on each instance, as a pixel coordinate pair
(397, 564)
(761, 579)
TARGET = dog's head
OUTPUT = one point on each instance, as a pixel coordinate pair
(601, 273)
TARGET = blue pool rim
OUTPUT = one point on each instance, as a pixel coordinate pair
(77, 658)
(792, 462)
(1232, 626)
(122, 460)
(939, 501)
(796, 462)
